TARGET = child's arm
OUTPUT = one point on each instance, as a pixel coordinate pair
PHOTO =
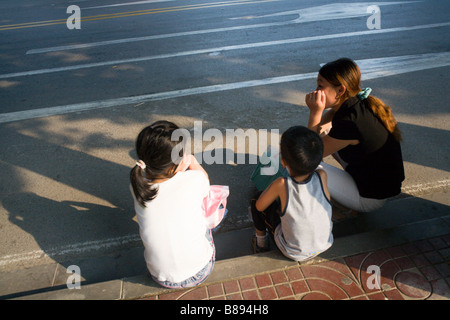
(272, 192)
(323, 176)
(191, 163)
(196, 166)
(325, 123)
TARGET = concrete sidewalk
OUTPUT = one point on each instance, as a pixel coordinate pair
(409, 241)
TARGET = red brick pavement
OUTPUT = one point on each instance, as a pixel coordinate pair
(418, 271)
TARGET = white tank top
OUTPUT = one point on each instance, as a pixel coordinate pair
(305, 228)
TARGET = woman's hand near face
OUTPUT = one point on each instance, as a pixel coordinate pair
(316, 101)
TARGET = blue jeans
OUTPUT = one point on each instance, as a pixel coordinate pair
(197, 278)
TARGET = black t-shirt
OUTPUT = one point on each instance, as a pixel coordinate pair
(375, 163)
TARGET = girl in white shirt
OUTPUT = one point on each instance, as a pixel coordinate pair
(179, 250)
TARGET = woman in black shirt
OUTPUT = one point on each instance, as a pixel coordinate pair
(361, 133)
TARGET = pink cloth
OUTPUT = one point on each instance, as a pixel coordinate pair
(214, 205)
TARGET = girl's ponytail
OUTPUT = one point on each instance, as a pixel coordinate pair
(142, 187)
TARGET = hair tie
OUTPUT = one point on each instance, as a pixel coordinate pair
(141, 164)
(364, 94)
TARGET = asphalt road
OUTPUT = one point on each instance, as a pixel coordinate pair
(73, 101)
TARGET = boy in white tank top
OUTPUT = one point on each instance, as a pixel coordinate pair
(296, 210)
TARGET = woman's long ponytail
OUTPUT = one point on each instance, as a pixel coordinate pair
(384, 113)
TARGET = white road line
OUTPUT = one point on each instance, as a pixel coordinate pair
(126, 4)
(421, 188)
(45, 112)
(71, 249)
(326, 12)
(334, 11)
(370, 68)
(225, 48)
(155, 37)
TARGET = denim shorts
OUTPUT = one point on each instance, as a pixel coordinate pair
(197, 278)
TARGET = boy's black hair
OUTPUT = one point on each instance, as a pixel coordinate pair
(301, 149)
